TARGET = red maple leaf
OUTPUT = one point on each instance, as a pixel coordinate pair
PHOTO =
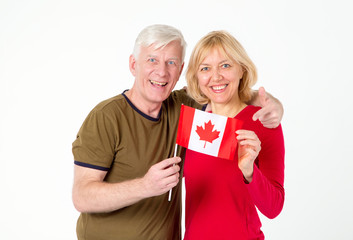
(207, 134)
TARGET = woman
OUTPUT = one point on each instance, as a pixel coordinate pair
(221, 195)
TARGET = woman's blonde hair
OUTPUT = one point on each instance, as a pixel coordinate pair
(231, 48)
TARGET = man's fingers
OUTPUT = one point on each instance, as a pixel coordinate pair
(163, 176)
(172, 180)
(168, 162)
(272, 124)
(263, 96)
(169, 182)
(259, 114)
(265, 114)
(168, 167)
(270, 120)
(171, 170)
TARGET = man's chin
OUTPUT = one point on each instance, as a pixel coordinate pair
(160, 94)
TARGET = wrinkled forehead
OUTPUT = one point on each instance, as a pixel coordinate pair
(172, 49)
(160, 45)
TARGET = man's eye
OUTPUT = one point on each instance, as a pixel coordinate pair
(171, 62)
(152, 60)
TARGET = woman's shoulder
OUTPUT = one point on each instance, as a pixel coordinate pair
(246, 117)
(248, 111)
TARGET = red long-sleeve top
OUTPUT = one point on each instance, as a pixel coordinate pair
(220, 204)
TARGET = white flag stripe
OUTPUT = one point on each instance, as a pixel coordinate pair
(200, 119)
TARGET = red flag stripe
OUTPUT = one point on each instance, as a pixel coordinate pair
(185, 124)
(229, 142)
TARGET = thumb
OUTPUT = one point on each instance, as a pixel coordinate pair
(262, 96)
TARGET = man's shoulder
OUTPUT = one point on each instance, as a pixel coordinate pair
(109, 103)
(180, 93)
(111, 107)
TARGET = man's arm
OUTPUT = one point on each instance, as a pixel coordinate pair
(91, 194)
(271, 113)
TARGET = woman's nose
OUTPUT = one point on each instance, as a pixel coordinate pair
(216, 76)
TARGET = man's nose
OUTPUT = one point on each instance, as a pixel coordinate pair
(161, 69)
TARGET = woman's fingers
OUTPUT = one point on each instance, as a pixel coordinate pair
(249, 139)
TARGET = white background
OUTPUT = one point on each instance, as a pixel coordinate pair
(58, 59)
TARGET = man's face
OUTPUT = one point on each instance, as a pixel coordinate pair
(156, 71)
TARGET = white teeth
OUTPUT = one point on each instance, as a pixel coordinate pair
(158, 83)
(219, 87)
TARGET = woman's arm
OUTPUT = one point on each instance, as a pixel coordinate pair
(266, 187)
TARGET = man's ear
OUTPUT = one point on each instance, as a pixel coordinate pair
(132, 65)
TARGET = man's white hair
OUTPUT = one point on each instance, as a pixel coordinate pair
(160, 35)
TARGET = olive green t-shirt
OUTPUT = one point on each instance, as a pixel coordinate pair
(118, 138)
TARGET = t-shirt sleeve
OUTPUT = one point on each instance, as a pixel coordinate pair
(266, 187)
(94, 146)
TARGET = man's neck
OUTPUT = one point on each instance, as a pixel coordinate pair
(151, 109)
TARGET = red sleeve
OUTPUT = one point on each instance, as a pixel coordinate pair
(266, 187)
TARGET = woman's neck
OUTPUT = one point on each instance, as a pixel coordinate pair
(230, 109)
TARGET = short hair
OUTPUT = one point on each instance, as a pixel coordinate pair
(160, 35)
(231, 48)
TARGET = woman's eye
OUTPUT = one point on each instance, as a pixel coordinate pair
(226, 65)
(204, 69)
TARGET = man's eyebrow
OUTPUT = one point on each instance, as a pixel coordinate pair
(173, 58)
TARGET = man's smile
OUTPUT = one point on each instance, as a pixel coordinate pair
(161, 84)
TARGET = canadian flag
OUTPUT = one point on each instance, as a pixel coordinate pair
(207, 133)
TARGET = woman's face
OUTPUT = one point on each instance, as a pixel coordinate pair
(219, 77)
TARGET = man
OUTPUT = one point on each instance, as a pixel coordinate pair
(124, 164)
